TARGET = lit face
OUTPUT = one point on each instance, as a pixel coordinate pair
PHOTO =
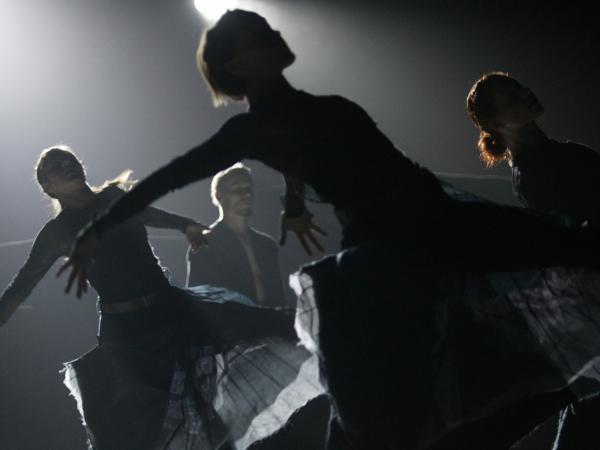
(260, 51)
(64, 174)
(237, 195)
(517, 106)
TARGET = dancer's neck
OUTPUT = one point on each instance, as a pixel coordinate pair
(262, 88)
(524, 138)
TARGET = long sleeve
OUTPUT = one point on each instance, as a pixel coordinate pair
(49, 245)
(152, 216)
(578, 187)
(560, 178)
(241, 137)
(161, 218)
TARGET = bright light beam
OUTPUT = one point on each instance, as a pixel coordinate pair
(212, 10)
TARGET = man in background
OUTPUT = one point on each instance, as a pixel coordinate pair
(238, 257)
(245, 260)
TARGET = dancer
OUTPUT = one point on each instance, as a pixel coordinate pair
(559, 178)
(413, 338)
(244, 260)
(239, 257)
(562, 178)
(174, 368)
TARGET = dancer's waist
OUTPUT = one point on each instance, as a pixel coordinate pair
(142, 302)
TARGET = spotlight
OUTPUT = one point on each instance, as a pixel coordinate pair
(212, 10)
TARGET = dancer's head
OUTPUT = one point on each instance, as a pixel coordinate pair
(498, 103)
(232, 191)
(59, 172)
(239, 48)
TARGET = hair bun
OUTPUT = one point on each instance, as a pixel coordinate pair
(492, 149)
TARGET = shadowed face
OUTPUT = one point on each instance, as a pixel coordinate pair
(516, 105)
(237, 195)
(63, 173)
(259, 51)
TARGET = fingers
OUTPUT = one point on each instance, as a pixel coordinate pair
(314, 241)
(81, 283)
(79, 260)
(198, 243)
(66, 264)
(72, 277)
(79, 276)
(304, 245)
(319, 230)
(282, 237)
(312, 226)
(196, 236)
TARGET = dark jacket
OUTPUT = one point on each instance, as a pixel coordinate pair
(225, 263)
(561, 178)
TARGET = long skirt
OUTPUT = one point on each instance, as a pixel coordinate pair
(472, 323)
(197, 370)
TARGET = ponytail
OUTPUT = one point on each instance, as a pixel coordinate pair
(122, 181)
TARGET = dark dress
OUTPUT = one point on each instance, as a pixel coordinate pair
(561, 178)
(415, 340)
(225, 263)
(196, 369)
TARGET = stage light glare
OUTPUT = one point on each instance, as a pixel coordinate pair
(212, 10)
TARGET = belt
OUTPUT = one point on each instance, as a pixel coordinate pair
(145, 301)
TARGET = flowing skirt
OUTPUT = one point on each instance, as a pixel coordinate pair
(202, 372)
(420, 335)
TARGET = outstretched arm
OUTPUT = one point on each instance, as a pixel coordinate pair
(249, 135)
(161, 218)
(198, 163)
(47, 248)
(227, 147)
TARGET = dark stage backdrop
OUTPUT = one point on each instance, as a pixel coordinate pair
(117, 81)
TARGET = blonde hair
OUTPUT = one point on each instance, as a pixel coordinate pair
(123, 181)
(221, 178)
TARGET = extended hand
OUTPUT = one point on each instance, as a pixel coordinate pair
(195, 234)
(302, 226)
(79, 260)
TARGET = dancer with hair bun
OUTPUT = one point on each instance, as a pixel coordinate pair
(561, 178)
(557, 178)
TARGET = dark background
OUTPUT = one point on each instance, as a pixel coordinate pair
(117, 81)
